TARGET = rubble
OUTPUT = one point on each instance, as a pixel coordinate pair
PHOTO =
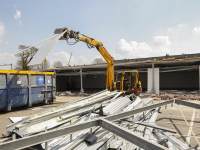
(69, 93)
(110, 111)
(182, 95)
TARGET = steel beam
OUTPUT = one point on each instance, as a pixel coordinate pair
(186, 103)
(56, 114)
(135, 111)
(46, 136)
(154, 126)
(82, 112)
(49, 135)
(131, 137)
(96, 136)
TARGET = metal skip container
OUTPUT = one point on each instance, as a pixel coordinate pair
(25, 88)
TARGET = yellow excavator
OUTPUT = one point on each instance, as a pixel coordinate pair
(122, 83)
(128, 81)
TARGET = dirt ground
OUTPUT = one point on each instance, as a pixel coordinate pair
(170, 118)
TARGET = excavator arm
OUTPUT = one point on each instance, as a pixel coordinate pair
(91, 42)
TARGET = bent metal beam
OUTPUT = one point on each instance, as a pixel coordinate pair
(49, 135)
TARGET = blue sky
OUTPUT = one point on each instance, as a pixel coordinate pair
(128, 28)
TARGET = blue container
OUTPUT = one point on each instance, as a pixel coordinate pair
(25, 88)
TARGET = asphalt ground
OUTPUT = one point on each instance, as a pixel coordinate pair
(24, 111)
(185, 120)
(170, 118)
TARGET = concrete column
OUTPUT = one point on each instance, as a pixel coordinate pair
(199, 79)
(153, 85)
(81, 77)
(153, 77)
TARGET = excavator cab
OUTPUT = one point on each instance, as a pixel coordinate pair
(128, 81)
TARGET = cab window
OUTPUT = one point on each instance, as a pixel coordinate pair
(119, 76)
(133, 77)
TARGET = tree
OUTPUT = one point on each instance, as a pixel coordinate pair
(98, 61)
(25, 57)
(57, 64)
(45, 64)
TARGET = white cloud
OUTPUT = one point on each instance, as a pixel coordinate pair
(181, 25)
(2, 28)
(178, 28)
(64, 58)
(17, 15)
(132, 49)
(162, 40)
(6, 42)
(184, 38)
(139, 50)
(6, 57)
(169, 29)
(1, 40)
(196, 30)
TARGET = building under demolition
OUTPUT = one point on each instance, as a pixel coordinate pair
(175, 72)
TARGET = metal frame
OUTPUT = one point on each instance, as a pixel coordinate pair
(135, 111)
(49, 135)
(131, 137)
(186, 103)
(154, 126)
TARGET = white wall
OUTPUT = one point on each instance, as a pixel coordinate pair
(156, 80)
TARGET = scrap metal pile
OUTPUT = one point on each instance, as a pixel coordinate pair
(105, 120)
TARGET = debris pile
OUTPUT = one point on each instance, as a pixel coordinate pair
(105, 120)
(166, 96)
(69, 93)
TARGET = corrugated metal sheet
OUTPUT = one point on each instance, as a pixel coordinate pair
(97, 138)
(45, 49)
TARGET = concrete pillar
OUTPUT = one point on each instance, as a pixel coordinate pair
(153, 80)
(199, 79)
(81, 77)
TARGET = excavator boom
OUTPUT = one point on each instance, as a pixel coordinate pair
(91, 42)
